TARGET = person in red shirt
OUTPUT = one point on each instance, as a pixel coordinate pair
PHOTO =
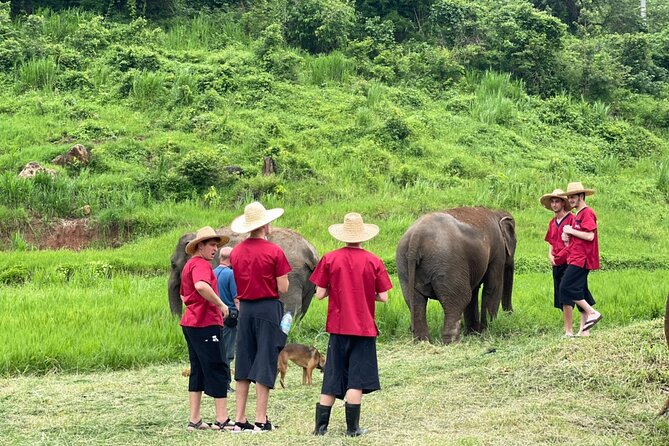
(354, 279)
(261, 273)
(202, 325)
(557, 248)
(583, 257)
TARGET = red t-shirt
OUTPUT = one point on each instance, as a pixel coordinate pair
(554, 238)
(352, 277)
(256, 264)
(199, 311)
(583, 253)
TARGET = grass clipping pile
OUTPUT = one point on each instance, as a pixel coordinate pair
(531, 391)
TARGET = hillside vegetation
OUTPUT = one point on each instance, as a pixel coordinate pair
(389, 112)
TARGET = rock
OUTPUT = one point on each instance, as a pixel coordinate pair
(78, 154)
(32, 168)
(234, 170)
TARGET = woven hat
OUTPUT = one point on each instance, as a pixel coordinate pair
(255, 216)
(353, 230)
(577, 188)
(203, 234)
(545, 200)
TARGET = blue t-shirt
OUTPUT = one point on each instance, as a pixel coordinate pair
(227, 289)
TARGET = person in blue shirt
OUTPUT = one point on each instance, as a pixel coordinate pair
(227, 290)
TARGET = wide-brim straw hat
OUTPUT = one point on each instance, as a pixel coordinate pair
(545, 199)
(353, 230)
(255, 216)
(206, 233)
(577, 188)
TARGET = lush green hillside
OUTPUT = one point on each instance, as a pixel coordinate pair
(179, 114)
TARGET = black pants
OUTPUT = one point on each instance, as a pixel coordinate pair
(209, 370)
(259, 341)
(574, 286)
(351, 364)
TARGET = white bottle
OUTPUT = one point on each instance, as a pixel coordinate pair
(286, 322)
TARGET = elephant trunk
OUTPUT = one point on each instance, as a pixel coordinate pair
(173, 287)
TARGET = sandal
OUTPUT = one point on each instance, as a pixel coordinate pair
(199, 426)
(266, 426)
(226, 425)
(245, 427)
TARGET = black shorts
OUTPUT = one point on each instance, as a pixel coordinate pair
(209, 371)
(259, 341)
(574, 286)
(351, 364)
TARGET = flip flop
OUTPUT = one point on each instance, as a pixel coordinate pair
(591, 323)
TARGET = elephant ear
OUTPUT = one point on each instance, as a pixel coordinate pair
(508, 227)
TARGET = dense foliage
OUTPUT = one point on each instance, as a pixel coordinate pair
(465, 102)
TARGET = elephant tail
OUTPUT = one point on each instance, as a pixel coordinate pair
(412, 257)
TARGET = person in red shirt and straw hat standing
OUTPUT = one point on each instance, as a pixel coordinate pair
(583, 257)
(202, 325)
(354, 279)
(261, 273)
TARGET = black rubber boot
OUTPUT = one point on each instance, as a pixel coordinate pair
(353, 421)
(322, 419)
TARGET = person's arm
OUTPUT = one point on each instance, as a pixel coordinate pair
(206, 291)
(282, 283)
(550, 255)
(583, 235)
(321, 293)
(382, 296)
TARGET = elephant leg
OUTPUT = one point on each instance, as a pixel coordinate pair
(419, 317)
(450, 332)
(491, 296)
(472, 312)
(454, 297)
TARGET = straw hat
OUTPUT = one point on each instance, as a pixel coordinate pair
(353, 230)
(557, 193)
(255, 216)
(203, 234)
(577, 188)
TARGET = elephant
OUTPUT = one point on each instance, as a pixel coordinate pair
(447, 256)
(665, 409)
(301, 255)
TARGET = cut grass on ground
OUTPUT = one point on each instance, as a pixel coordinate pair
(532, 390)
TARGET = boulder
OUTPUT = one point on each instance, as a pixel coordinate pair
(32, 168)
(77, 155)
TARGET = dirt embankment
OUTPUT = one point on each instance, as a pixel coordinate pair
(74, 234)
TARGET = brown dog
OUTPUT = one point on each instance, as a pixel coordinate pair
(306, 357)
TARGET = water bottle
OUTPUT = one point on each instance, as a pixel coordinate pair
(286, 322)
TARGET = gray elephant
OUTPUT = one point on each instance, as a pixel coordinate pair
(448, 256)
(301, 255)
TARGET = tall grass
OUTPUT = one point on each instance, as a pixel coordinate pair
(203, 32)
(662, 181)
(38, 74)
(498, 98)
(330, 68)
(148, 88)
(59, 25)
(97, 319)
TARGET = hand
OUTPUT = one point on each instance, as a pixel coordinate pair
(567, 230)
(552, 260)
(566, 237)
(225, 310)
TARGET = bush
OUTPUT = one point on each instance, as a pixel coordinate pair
(319, 26)
(14, 275)
(628, 142)
(202, 168)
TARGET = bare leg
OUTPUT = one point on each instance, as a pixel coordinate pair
(221, 405)
(242, 391)
(568, 318)
(354, 396)
(590, 312)
(580, 330)
(327, 400)
(262, 397)
(194, 400)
